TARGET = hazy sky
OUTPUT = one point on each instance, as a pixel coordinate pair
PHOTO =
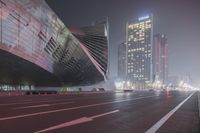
(178, 19)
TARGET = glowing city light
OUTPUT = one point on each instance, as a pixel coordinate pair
(143, 18)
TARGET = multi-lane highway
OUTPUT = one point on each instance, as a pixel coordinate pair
(134, 112)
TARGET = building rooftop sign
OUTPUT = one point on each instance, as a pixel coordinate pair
(143, 18)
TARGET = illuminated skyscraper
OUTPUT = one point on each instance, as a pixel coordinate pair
(160, 58)
(139, 50)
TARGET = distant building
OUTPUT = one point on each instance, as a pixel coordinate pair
(139, 51)
(173, 80)
(160, 58)
(122, 60)
(186, 78)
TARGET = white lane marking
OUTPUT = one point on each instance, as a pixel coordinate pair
(43, 105)
(100, 115)
(35, 106)
(28, 100)
(72, 108)
(156, 126)
(45, 101)
(76, 122)
(61, 103)
(16, 102)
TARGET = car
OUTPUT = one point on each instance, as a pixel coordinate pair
(101, 89)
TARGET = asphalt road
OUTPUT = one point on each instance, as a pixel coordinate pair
(134, 112)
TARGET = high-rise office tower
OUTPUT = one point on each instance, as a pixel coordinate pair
(139, 50)
(122, 60)
(160, 58)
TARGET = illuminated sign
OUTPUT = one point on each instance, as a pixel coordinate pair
(143, 18)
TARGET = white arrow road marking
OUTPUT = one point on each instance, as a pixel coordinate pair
(155, 127)
(76, 122)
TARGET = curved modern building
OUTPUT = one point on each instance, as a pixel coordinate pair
(36, 48)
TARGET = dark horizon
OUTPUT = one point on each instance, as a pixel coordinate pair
(178, 19)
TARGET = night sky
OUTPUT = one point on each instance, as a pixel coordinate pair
(178, 19)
